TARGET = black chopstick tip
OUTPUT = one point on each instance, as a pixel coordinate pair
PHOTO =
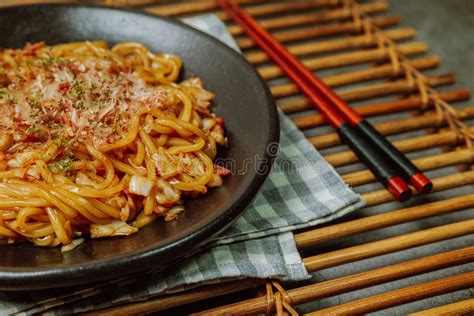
(399, 189)
(421, 183)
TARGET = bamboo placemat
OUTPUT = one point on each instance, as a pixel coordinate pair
(413, 249)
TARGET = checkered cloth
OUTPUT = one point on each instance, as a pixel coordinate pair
(302, 190)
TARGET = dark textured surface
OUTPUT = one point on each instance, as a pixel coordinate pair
(251, 121)
(447, 26)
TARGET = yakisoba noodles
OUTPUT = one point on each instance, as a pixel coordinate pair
(98, 141)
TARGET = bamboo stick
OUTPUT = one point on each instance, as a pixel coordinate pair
(256, 10)
(455, 309)
(317, 47)
(401, 296)
(369, 91)
(173, 300)
(127, 3)
(369, 223)
(318, 31)
(378, 72)
(464, 156)
(283, 7)
(190, 7)
(312, 18)
(430, 119)
(9, 3)
(368, 110)
(347, 59)
(168, 9)
(352, 282)
(388, 88)
(446, 138)
(389, 245)
(356, 76)
(439, 184)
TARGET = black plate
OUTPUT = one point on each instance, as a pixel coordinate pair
(242, 99)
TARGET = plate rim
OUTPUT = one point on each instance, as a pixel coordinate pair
(13, 279)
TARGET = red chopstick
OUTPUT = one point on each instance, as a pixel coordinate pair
(409, 171)
(381, 168)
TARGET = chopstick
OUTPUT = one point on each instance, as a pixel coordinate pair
(383, 168)
(409, 171)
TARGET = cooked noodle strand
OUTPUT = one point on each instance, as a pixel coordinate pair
(99, 141)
